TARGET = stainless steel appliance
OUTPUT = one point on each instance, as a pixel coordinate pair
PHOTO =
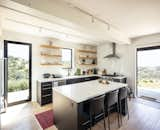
(3, 84)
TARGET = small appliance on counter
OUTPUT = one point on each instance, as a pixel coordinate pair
(56, 76)
(46, 75)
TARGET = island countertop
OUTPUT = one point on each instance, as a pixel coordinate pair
(80, 92)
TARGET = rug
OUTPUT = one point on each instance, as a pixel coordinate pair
(45, 119)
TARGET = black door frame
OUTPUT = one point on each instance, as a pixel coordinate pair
(142, 49)
(6, 42)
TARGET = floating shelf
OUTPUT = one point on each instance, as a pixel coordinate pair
(87, 57)
(51, 64)
(50, 47)
(48, 55)
(87, 51)
(88, 64)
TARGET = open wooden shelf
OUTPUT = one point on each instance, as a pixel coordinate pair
(87, 51)
(50, 47)
(50, 64)
(48, 55)
(88, 64)
(80, 57)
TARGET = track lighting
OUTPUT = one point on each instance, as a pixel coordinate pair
(92, 19)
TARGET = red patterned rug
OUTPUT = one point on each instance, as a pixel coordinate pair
(45, 119)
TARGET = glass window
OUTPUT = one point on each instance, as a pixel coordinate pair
(67, 58)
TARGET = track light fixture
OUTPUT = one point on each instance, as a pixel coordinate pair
(92, 19)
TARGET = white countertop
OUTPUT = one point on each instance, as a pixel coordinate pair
(73, 77)
(67, 77)
(83, 91)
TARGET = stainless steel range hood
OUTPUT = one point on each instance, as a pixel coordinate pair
(113, 55)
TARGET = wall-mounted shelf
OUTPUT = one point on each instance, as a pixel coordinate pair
(82, 57)
(45, 64)
(51, 55)
(48, 55)
(88, 64)
(50, 47)
(87, 51)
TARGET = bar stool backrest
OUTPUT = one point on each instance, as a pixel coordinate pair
(111, 98)
(97, 105)
(123, 93)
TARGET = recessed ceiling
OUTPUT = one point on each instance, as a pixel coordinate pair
(133, 17)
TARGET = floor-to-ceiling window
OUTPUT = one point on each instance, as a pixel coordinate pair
(148, 73)
(18, 80)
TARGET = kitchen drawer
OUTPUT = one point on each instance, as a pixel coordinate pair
(46, 99)
(46, 84)
(46, 91)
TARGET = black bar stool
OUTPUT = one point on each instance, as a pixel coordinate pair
(111, 102)
(122, 96)
(96, 111)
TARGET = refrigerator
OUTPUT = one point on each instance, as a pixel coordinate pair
(3, 84)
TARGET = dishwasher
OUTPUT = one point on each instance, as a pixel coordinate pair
(59, 83)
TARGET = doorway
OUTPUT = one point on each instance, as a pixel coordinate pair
(148, 73)
(18, 71)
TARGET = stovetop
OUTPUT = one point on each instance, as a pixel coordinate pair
(111, 75)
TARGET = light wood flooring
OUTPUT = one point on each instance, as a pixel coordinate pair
(142, 117)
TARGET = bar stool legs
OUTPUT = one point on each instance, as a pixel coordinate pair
(104, 116)
(108, 119)
(118, 111)
(120, 108)
(127, 108)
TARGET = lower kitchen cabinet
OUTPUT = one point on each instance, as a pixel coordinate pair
(44, 89)
(44, 93)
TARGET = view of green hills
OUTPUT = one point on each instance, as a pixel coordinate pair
(149, 77)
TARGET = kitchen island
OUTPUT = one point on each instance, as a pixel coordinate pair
(69, 100)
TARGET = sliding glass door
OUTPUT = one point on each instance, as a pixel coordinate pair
(148, 73)
(18, 72)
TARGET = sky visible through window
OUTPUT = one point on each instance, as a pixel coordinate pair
(67, 58)
(19, 51)
(149, 58)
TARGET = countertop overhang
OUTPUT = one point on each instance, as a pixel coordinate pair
(84, 91)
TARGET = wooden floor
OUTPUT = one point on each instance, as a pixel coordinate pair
(142, 117)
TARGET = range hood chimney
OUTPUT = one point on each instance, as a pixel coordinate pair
(113, 55)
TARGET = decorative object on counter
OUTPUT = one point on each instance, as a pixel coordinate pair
(95, 71)
(84, 72)
(103, 81)
(104, 72)
(78, 71)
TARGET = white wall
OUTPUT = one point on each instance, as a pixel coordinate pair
(127, 63)
(121, 66)
(140, 42)
(38, 70)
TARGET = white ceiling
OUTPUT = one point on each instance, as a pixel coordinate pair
(133, 17)
(57, 19)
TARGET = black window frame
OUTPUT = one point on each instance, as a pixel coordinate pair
(6, 42)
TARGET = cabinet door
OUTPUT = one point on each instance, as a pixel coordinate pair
(46, 84)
